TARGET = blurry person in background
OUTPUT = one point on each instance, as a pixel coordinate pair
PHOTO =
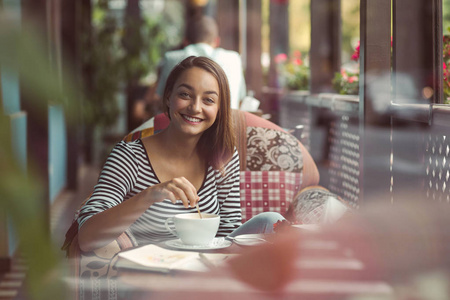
(202, 39)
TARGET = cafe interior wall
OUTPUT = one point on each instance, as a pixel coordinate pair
(10, 96)
(56, 121)
(17, 122)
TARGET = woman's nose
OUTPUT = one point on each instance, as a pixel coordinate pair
(196, 105)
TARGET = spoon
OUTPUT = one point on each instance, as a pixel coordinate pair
(255, 238)
(198, 210)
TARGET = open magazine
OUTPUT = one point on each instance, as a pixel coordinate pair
(158, 259)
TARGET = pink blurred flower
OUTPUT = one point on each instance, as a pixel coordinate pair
(297, 54)
(353, 79)
(280, 58)
(355, 55)
(297, 61)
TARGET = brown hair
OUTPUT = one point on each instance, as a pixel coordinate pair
(217, 142)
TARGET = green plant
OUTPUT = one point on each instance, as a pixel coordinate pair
(102, 53)
(116, 56)
(346, 83)
(293, 73)
(145, 42)
(446, 66)
(22, 194)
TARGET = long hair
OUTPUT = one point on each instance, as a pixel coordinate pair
(217, 142)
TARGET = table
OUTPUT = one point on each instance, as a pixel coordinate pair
(324, 270)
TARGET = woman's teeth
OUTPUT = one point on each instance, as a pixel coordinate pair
(192, 119)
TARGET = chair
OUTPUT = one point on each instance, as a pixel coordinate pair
(275, 167)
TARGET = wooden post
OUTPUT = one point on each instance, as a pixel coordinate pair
(228, 23)
(253, 72)
(374, 79)
(279, 35)
(279, 43)
(132, 42)
(325, 44)
(69, 25)
(417, 84)
(35, 12)
(418, 60)
(86, 72)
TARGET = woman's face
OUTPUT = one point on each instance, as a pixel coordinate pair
(194, 101)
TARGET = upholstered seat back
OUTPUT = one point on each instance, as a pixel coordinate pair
(274, 164)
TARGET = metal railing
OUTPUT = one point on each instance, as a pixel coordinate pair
(342, 116)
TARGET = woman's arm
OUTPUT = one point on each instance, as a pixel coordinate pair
(229, 198)
(106, 215)
(104, 227)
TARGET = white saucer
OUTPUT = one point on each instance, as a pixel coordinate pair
(250, 239)
(311, 227)
(217, 243)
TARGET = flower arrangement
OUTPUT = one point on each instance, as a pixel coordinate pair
(446, 68)
(293, 72)
(346, 82)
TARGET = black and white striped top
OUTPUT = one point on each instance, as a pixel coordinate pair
(128, 171)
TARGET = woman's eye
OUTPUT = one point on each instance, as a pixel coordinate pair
(210, 100)
(184, 94)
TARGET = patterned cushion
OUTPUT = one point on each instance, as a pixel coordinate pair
(314, 216)
(310, 205)
(273, 164)
(138, 134)
(263, 191)
(272, 150)
(95, 270)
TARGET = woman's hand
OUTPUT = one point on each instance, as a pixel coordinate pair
(175, 189)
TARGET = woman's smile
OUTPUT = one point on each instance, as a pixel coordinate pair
(191, 119)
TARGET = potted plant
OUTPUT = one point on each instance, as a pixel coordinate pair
(293, 72)
(346, 82)
(118, 54)
(446, 67)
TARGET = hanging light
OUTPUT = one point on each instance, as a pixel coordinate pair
(199, 3)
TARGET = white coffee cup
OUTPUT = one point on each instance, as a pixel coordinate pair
(192, 230)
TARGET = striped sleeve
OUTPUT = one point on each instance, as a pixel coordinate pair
(116, 180)
(229, 197)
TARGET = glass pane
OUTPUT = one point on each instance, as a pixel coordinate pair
(350, 29)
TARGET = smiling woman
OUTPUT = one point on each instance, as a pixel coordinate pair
(216, 97)
(192, 162)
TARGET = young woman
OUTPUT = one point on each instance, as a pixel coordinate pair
(193, 160)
